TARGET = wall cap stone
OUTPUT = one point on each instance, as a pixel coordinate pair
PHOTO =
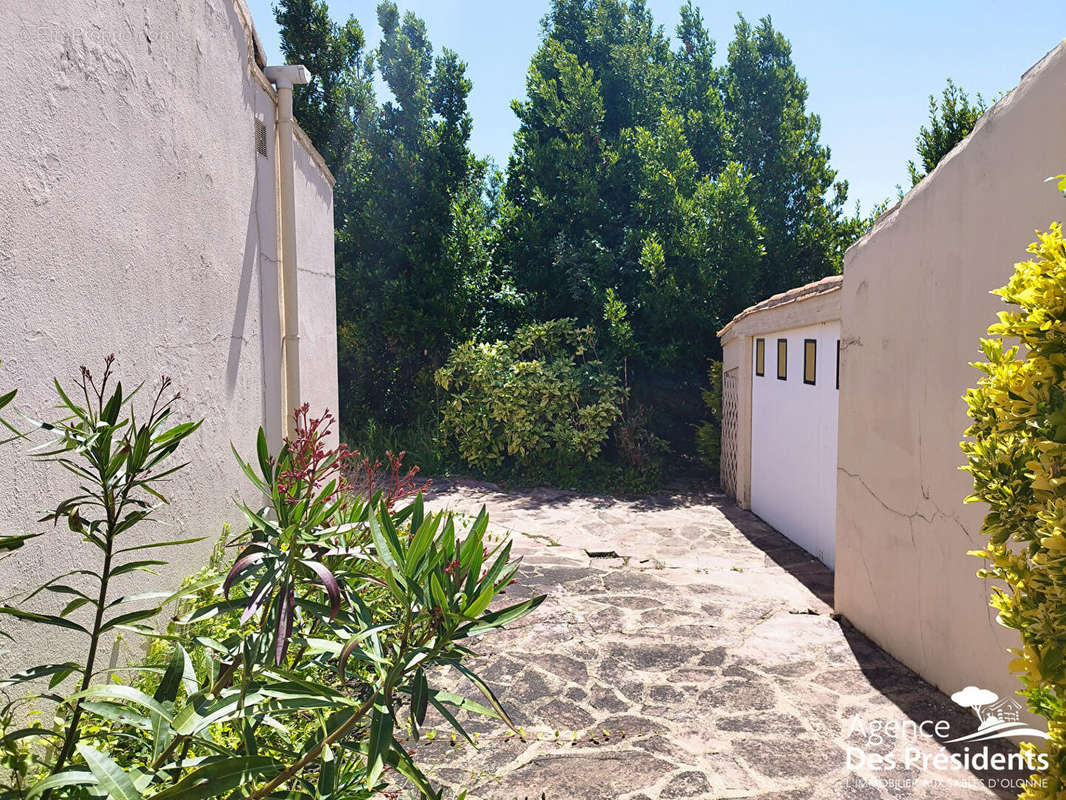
(808, 291)
(256, 65)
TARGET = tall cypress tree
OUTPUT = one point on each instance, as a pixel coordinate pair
(339, 96)
(406, 184)
(795, 192)
(403, 293)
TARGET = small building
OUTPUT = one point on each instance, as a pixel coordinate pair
(866, 476)
(780, 381)
(1006, 709)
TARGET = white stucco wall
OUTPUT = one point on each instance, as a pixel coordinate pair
(794, 439)
(915, 303)
(137, 218)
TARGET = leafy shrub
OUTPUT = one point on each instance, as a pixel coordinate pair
(288, 671)
(1017, 457)
(120, 465)
(418, 440)
(541, 403)
(709, 432)
(639, 452)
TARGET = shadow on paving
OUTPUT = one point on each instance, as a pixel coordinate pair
(920, 701)
(704, 662)
(909, 692)
(797, 562)
(683, 494)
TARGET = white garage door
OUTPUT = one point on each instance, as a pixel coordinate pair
(794, 434)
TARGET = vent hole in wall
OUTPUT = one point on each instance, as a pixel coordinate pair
(260, 137)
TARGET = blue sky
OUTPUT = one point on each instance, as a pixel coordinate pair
(870, 66)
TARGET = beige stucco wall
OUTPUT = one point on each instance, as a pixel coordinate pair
(316, 278)
(137, 218)
(915, 302)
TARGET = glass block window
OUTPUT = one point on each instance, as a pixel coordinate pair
(760, 357)
(782, 359)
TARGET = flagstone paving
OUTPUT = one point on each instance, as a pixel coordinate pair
(686, 650)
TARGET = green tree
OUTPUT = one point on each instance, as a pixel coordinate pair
(582, 215)
(577, 200)
(699, 98)
(796, 195)
(403, 269)
(697, 242)
(412, 220)
(950, 121)
(339, 96)
(621, 199)
(627, 53)
(558, 236)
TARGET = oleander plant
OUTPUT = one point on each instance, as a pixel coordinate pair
(291, 666)
(1016, 454)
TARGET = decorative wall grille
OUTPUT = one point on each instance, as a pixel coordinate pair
(729, 433)
(260, 137)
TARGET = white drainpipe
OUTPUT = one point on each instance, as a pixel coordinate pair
(284, 78)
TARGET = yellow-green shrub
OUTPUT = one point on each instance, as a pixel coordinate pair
(1017, 457)
(541, 401)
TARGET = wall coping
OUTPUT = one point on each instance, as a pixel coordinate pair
(997, 109)
(256, 63)
(810, 291)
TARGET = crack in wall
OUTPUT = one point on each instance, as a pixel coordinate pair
(938, 512)
(857, 477)
(937, 515)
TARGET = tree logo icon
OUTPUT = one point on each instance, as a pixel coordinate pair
(977, 699)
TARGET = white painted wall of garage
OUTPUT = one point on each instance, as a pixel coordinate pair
(794, 441)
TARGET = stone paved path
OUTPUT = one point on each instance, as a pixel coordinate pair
(693, 655)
